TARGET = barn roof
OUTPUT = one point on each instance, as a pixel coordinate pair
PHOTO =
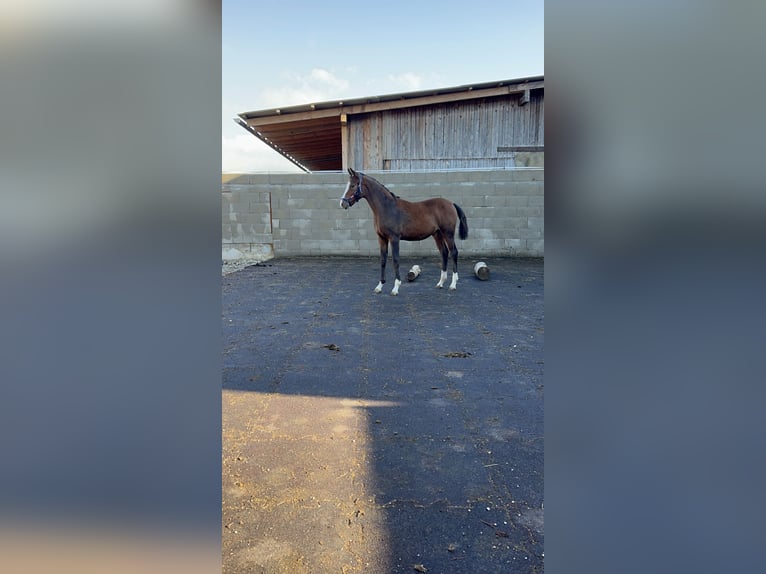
(311, 135)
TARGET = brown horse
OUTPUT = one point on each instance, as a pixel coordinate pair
(397, 219)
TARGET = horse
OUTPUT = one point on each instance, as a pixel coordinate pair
(397, 219)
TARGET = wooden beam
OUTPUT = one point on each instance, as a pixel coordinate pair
(524, 99)
(344, 142)
(293, 117)
(512, 148)
(337, 111)
(438, 99)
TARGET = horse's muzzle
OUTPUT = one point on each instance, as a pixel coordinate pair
(346, 202)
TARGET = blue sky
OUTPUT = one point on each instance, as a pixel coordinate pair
(304, 52)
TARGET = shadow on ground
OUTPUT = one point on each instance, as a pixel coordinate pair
(371, 433)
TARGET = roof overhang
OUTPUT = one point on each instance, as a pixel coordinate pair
(311, 135)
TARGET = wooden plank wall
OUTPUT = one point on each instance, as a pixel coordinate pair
(460, 135)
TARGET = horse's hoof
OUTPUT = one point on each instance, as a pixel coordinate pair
(439, 286)
(452, 287)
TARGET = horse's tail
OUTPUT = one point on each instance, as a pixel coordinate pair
(463, 222)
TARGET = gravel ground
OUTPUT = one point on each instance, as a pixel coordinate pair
(228, 267)
(370, 433)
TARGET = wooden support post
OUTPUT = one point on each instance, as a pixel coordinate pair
(344, 142)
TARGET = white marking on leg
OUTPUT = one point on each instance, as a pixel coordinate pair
(453, 285)
(345, 191)
(395, 290)
(379, 288)
(442, 279)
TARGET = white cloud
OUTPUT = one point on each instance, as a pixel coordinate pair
(316, 86)
(406, 81)
(328, 78)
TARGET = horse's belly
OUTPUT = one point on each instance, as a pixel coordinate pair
(416, 236)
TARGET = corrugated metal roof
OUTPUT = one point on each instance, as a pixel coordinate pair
(310, 135)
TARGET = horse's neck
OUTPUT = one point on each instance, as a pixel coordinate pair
(379, 196)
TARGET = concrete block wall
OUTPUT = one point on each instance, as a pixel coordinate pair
(299, 214)
(246, 226)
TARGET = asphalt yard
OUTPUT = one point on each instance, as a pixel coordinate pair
(369, 433)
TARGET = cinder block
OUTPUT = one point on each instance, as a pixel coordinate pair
(342, 234)
(530, 211)
(236, 207)
(530, 233)
(531, 174)
(479, 223)
(258, 207)
(323, 215)
(474, 212)
(535, 247)
(513, 243)
(322, 234)
(364, 223)
(482, 234)
(236, 178)
(231, 189)
(368, 246)
(302, 233)
(287, 246)
(517, 201)
(256, 238)
(284, 178)
(311, 245)
(258, 179)
(482, 175)
(499, 212)
(295, 223)
(491, 244)
(511, 223)
(530, 188)
(302, 214)
(536, 223)
(339, 247)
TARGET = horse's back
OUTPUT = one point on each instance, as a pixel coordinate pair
(434, 205)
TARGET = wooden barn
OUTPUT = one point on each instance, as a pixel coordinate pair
(489, 125)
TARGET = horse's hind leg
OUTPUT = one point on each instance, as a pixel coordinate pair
(453, 252)
(444, 251)
(395, 257)
(383, 256)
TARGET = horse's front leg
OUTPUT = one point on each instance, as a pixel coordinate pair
(383, 243)
(395, 255)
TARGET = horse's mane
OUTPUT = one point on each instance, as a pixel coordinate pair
(381, 185)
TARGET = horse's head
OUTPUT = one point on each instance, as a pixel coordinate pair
(353, 191)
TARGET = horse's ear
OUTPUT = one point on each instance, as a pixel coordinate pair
(351, 171)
